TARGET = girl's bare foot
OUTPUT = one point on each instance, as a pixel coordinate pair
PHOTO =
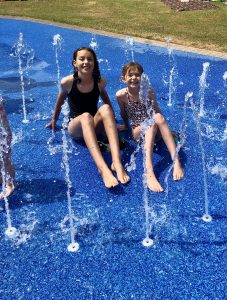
(178, 172)
(121, 174)
(8, 191)
(153, 183)
(108, 178)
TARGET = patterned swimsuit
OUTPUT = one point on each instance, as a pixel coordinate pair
(136, 112)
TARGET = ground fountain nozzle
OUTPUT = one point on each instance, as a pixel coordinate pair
(11, 232)
(147, 242)
(207, 218)
(73, 247)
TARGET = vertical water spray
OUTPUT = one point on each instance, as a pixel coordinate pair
(182, 139)
(225, 132)
(202, 87)
(4, 149)
(225, 79)
(172, 74)
(104, 63)
(73, 246)
(93, 43)
(148, 122)
(57, 43)
(29, 61)
(206, 216)
(19, 50)
(129, 52)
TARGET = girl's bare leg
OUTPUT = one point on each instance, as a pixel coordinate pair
(178, 172)
(152, 181)
(105, 114)
(84, 126)
(8, 165)
(9, 176)
(8, 190)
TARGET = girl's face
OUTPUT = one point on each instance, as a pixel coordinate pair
(132, 78)
(84, 62)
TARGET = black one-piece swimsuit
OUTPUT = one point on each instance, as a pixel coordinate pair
(80, 103)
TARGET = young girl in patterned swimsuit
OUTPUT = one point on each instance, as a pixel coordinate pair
(87, 120)
(133, 111)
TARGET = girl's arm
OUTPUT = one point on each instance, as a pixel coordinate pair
(2, 110)
(154, 101)
(103, 93)
(4, 120)
(60, 101)
(120, 100)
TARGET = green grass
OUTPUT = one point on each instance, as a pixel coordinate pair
(205, 29)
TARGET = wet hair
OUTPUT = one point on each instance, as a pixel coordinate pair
(96, 72)
(131, 66)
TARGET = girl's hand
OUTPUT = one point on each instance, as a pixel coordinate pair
(51, 125)
(121, 127)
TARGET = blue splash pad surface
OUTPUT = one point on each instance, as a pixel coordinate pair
(188, 259)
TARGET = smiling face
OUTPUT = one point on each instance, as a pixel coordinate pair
(132, 77)
(84, 62)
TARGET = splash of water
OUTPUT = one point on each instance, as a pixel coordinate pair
(160, 214)
(214, 133)
(4, 150)
(57, 40)
(26, 229)
(129, 51)
(206, 217)
(73, 246)
(219, 170)
(145, 86)
(50, 144)
(17, 137)
(131, 166)
(93, 43)
(202, 87)
(104, 64)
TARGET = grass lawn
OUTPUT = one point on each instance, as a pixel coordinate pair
(205, 29)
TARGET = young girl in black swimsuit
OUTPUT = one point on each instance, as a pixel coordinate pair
(135, 112)
(87, 120)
